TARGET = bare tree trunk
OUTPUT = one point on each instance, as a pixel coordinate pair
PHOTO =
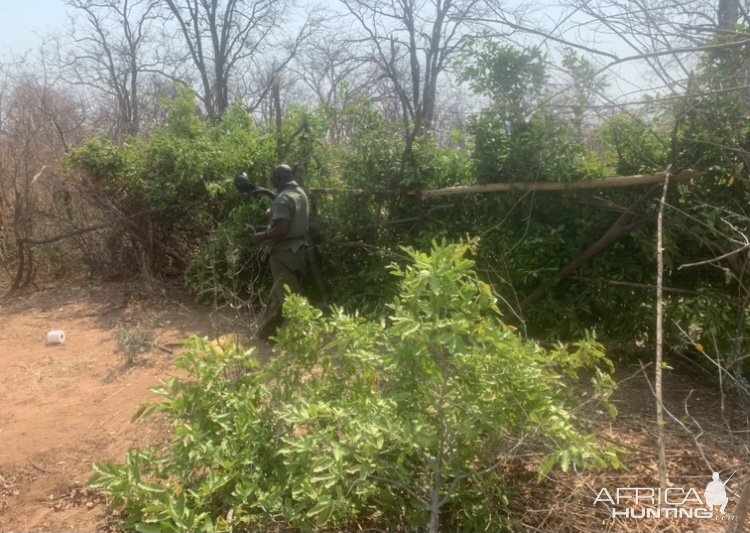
(729, 12)
(23, 225)
(436, 502)
(660, 337)
(276, 93)
(740, 512)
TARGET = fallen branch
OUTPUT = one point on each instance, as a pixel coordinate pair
(605, 183)
(40, 468)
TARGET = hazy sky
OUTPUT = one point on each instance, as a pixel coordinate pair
(24, 23)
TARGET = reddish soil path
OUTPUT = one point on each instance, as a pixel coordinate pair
(67, 406)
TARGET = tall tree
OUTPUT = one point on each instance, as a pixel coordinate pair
(413, 43)
(110, 53)
(219, 36)
(729, 12)
(333, 70)
(40, 125)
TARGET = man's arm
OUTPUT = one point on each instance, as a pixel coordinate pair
(262, 191)
(278, 230)
(282, 212)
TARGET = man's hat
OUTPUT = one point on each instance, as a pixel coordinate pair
(283, 171)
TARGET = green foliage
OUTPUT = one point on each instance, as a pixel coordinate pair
(115, 170)
(181, 177)
(710, 225)
(713, 125)
(183, 119)
(228, 266)
(177, 185)
(375, 147)
(369, 156)
(544, 148)
(635, 148)
(512, 142)
(513, 79)
(527, 238)
(301, 143)
(585, 86)
(133, 343)
(199, 163)
(363, 423)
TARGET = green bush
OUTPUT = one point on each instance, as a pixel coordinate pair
(228, 266)
(183, 174)
(174, 195)
(543, 148)
(634, 147)
(363, 423)
(115, 171)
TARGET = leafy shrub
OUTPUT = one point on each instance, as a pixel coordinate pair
(375, 145)
(543, 148)
(635, 148)
(176, 189)
(116, 171)
(133, 343)
(228, 266)
(360, 422)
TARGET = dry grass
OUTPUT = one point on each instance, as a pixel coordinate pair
(699, 444)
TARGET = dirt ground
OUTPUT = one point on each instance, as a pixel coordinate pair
(65, 407)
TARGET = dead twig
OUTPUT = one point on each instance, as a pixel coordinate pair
(36, 466)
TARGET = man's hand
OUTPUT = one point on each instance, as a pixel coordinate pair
(243, 185)
(277, 231)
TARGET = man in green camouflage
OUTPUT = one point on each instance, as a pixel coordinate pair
(285, 242)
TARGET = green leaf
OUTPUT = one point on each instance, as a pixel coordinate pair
(148, 528)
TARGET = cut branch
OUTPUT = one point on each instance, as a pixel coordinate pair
(542, 186)
(619, 181)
